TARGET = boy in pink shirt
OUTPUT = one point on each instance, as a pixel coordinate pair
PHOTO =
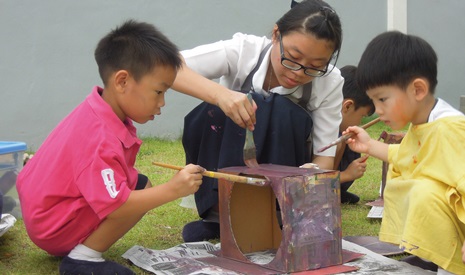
(81, 193)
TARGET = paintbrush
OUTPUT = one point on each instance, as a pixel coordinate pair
(218, 175)
(347, 136)
(250, 154)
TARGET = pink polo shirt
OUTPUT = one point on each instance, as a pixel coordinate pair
(82, 172)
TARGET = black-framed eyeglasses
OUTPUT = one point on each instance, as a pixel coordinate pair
(292, 65)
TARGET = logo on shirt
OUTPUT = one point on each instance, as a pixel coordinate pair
(109, 179)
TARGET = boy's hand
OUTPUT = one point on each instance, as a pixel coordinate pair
(237, 107)
(356, 168)
(188, 180)
(359, 142)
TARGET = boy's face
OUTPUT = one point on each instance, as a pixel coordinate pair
(352, 116)
(396, 107)
(142, 100)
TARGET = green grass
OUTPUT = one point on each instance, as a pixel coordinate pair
(161, 228)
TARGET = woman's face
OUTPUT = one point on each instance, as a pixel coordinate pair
(304, 49)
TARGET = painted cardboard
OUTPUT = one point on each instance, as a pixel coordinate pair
(309, 200)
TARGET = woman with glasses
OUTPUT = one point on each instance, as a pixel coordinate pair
(297, 94)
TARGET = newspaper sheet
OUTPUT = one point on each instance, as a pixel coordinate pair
(374, 263)
(6, 222)
(181, 260)
(178, 260)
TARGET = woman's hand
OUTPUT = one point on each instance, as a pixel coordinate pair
(237, 107)
(309, 165)
(234, 104)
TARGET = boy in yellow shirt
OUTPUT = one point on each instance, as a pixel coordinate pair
(424, 210)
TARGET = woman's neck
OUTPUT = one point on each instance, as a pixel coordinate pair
(269, 82)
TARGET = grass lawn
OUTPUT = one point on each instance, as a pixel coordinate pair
(161, 228)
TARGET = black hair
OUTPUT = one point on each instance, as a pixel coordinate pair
(313, 17)
(136, 47)
(394, 58)
(350, 90)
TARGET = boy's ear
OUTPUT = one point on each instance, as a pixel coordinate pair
(421, 88)
(121, 79)
(347, 105)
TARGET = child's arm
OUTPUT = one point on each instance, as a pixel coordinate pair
(183, 183)
(324, 162)
(362, 143)
(234, 104)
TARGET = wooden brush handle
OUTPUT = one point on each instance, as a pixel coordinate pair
(170, 166)
(349, 135)
(371, 123)
(218, 175)
(364, 126)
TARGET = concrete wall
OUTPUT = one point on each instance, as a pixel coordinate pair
(442, 24)
(46, 49)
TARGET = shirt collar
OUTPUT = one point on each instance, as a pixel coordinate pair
(125, 131)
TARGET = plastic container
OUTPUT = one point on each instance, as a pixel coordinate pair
(11, 162)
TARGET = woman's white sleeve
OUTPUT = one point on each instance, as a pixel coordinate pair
(326, 113)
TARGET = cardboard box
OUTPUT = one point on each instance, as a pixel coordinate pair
(309, 203)
(11, 162)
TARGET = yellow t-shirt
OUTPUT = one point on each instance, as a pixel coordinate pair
(424, 208)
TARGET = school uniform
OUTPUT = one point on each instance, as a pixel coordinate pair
(282, 127)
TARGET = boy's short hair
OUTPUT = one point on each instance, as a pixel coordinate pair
(394, 58)
(350, 90)
(136, 47)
